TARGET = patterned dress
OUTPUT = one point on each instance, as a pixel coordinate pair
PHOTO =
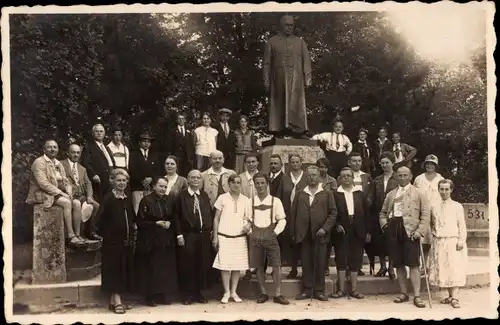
(233, 249)
(430, 190)
(447, 265)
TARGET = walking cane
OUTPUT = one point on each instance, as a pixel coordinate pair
(425, 273)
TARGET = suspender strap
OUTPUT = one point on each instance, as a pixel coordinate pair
(271, 216)
(272, 207)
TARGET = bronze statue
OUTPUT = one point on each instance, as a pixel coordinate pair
(287, 71)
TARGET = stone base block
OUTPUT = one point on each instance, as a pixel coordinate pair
(84, 263)
(49, 258)
(309, 150)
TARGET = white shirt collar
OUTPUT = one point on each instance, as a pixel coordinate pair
(274, 175)
(378, 139)
(212, 172)
(404, 188)
(358, 173)
(267, 198)
(248, 176)
(71, 163)
(191, 192)
(100, 144)
(363, 142)
(296, 180)
(55, 161)
(308, 191)
(397, 145)
(341, 189)
(112, 144)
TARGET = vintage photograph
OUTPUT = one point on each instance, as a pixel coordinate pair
(240, 162)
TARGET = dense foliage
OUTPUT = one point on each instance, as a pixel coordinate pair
(136, 69)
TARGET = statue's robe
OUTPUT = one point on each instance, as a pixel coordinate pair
(287, 69)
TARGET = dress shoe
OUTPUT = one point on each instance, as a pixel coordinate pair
(292, 275)
(95, 236)
(262, 298)
(187, 301)
(201, 300)
(303, 296)
(151, 303)
(327, 272)
(281, 300)
(320, 297)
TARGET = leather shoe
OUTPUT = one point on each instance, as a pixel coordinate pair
(281, 300)
(151, 303)
(262, 298)
(292, 275)
(187, 301)
(201, 300)
(321, 297)
(95, 236)
(303, 296)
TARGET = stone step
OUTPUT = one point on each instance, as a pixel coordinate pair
(89, 291)
(472, 251)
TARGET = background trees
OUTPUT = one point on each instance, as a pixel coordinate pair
(139, 69)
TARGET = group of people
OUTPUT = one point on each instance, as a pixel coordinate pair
(168, 221)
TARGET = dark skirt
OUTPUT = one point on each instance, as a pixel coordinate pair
(117, 275)
(156, 271)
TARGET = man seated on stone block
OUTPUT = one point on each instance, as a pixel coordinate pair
(49, 186)
(82, 198)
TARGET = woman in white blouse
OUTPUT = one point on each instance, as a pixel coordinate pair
(205, 142)
(175, 183)
(428, 183)
(448, 254)
(232, 210)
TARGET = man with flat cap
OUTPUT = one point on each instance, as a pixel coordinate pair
(226, 139)
(287, 70)
(144, 166)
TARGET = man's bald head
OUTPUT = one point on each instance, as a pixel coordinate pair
(217, 159)
(74, 152)
(403, 175)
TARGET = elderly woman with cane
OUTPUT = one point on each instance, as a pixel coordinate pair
(448, 254)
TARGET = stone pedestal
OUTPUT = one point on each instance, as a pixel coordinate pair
(309, 150)
(83, 263)
(49, 258)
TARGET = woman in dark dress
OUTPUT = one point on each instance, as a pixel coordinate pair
(117, 227)
(155, 257)
(381, 186)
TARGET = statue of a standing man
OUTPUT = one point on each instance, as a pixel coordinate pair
(287, 71)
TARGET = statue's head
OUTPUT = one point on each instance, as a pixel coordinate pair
(286, 23)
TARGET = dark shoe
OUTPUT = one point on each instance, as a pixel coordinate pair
(303, 296)
(281, 300)
(247, 276)
(392, 275)
(320, 297)
(292, 275)
(455, 303)
(361, 273)
(201, 300)
(402, 298)
(338, 294)
(418, 302)
(381, 272)
(151, 303)
(95, 236)
(262, 298)
(187, 301)
(327, 272)
(356, 294)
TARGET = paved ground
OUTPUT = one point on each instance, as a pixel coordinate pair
(475, 303)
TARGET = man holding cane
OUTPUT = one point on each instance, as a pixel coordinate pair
(404, 218)
(312, 217)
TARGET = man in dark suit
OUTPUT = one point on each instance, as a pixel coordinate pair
(280, 186)
(144, 165)
(312, 216)
(98, 161)
(181, 145)
(82, 190)
(193, 224)
(352, 230)
(403, 152)
(226, 139)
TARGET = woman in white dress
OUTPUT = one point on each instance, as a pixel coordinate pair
(448, 254)
(230, 237)
(428, 183)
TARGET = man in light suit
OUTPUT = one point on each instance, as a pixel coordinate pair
(49, 186)
(404, 218)
(215, 178)
(312, 217)
(82, 189)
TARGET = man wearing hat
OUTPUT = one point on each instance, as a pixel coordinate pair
(428, 183)
(226, 139)
(82, 195)
(98, 161)
(144, 165)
